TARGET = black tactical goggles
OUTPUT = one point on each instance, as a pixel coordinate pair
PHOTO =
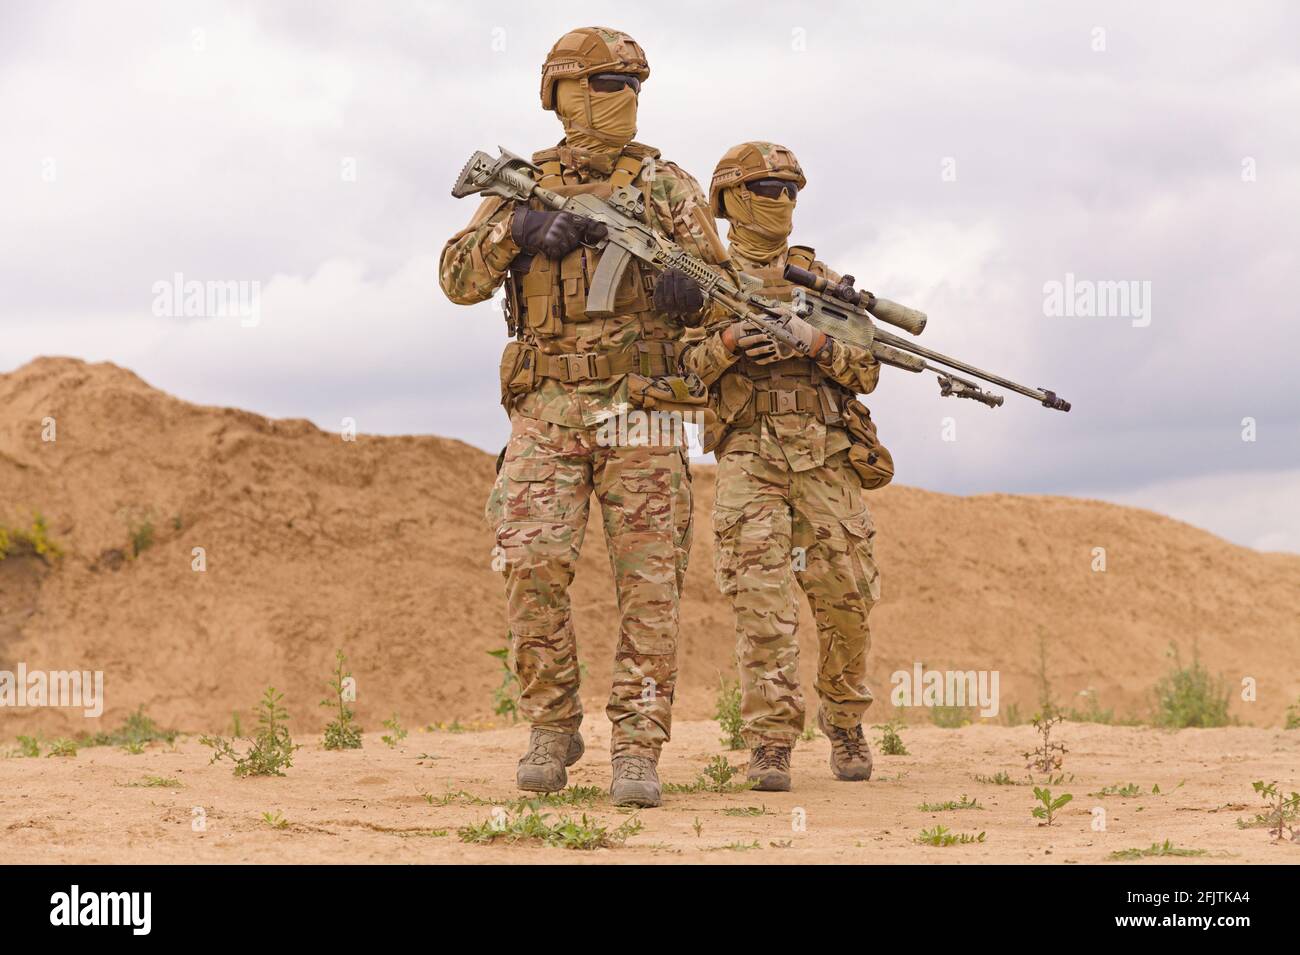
(613, 82)
(772, 188)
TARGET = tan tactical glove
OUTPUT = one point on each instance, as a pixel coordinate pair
(760, 347)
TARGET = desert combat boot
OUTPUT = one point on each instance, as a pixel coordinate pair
(850, 754)
(769, 768)
(636, 782)
(542, 768)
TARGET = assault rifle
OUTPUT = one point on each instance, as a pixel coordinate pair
(840, 311)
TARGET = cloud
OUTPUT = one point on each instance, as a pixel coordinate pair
(214, 138)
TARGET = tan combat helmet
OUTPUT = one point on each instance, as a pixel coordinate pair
(750, 161)
(587, 50)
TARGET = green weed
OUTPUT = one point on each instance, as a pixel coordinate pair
(1190, 696)
(942, 836)
(272, 747)
(564, 833)
(342, 732)
(727, 712)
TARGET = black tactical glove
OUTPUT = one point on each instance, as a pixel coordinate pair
(678, 295)
(553, 234)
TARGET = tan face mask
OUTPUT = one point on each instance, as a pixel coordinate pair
(759, 226)
(610, 125)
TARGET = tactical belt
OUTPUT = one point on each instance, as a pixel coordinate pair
(787, 402)
(650, 358)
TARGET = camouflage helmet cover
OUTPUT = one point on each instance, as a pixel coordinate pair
(750, 161)
(587, 50)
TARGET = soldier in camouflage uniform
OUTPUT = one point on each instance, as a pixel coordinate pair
(789, 503)
(562, 378)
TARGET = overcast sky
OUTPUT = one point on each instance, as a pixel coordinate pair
(958, 161)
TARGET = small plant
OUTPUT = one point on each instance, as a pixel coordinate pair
(342, 732)
(155, 782)
(891, 744)
(1091, 712)
(141, 537)
(1165, 848)
(29, 746)
(136, 731)
(738, 846)
(698, 827)
(715, 778)
(1281, 811)
(1049, 755)
(15, 541)
(272, 748)
(1190, 696)
(941, 836)
(275, 820)
(564, 833)
(964, 803)
(1047, 805)
(1046, 702)
(573, 796)
(952, 717)
(63, 747)
(1000, 778)
(505, 698)
(746, 811)
(395, 732)
(1127, 791)
(1292, 717)
(727, 712)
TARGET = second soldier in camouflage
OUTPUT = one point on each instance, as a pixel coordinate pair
(789, 512)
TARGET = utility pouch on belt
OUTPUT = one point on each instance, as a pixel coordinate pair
(670, 393)
(518, 371)
(870, 458)
(735, 399)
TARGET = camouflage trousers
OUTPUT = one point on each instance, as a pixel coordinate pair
(539, 507)
(773, 527)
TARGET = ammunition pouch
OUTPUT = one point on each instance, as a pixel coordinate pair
(523, 366)
(869, 458)
(545, 294)
(518, 372)
(671, 393)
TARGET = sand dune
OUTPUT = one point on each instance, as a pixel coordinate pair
(377, 545)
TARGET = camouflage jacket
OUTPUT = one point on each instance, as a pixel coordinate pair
(802, 438)
(476, 261)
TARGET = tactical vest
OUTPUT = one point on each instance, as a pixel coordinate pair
(547, 298)
(795, 385)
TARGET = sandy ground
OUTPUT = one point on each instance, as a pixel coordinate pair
(370, 805)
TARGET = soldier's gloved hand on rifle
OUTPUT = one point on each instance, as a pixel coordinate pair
(760, 347)
(817, 344)
(678, 295)
(553, 234)
(754, 343)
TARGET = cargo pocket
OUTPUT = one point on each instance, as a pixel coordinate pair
(861, 533)
(529, 492)
(726, 535)
(644, 500)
